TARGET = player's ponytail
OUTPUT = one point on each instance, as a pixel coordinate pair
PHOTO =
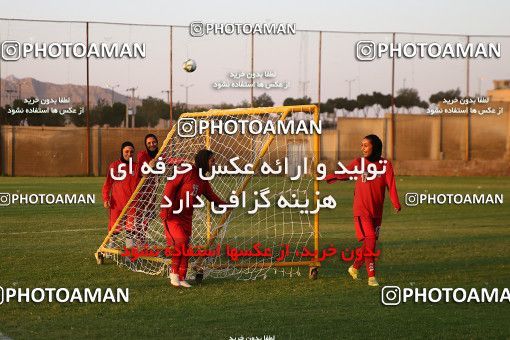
(202, 160)
(376, 148)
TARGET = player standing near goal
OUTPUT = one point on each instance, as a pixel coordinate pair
(147, 156)
(369, 201)
(120, 183)
(146, 198)
(178, 226)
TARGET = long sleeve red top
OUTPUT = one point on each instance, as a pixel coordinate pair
(118, 192)
(369, 194)
(143, 157)
(176, 190)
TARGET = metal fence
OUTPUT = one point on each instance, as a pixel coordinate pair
(315, 64)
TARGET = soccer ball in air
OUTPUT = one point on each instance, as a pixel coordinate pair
(189, 65)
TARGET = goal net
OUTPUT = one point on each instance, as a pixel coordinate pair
(279, 229)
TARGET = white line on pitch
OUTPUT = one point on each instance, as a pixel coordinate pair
(51, 231)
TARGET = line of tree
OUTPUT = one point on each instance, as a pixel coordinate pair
(152, 109)
(406, 99)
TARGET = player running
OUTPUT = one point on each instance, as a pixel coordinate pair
(369, 201)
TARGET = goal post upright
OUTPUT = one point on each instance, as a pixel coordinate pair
(208, 220)
(316, 151)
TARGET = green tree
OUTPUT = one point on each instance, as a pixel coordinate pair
(264, 100)
(365, 102)
(223, 106)
(328, 106)
(442, 95)
(32, 119)
(118, 115)
(408, 98)
(151, 110)
(297, 101)
(381, 102)
(244, 103)
(77, 118)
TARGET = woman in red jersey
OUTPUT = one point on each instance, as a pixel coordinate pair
(178, 223)
(121, 181)
(373, 174)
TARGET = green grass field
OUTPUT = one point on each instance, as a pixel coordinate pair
(425, 246)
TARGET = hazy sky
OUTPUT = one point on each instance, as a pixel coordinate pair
(293, 59)
(435, 16)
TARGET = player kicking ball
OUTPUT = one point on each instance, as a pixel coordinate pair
(369, 192)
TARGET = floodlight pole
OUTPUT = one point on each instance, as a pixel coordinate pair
(10, 92)
(187, 87)
(133, 105)
(112, 87)
(252, 67)
(170, 97)
(319, 72)
(392, 130)
(1, 154)
(87, 115)
(349, 82)
(468, 115)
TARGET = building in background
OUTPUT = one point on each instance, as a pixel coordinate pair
(501, 91)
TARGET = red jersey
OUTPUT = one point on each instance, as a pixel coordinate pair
(152, 181)
(141, 158)
(369, 194)
(118, 192)
(144, 157)
(176, 189)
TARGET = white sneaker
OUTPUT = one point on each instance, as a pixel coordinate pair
(184, 284)
(174, 280)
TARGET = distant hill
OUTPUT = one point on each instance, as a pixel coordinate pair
(31, 87)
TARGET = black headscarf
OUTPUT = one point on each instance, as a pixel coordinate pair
(202, 160)
(376, 148)
(127, 143)
(152, 154)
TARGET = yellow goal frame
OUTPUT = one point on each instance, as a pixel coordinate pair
(284, 111)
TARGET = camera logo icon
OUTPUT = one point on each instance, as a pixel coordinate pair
(196, 29)
(186, 127)
(365, 50)
(11, 50)
(5, 199)
(391, 295)
(411, 199)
